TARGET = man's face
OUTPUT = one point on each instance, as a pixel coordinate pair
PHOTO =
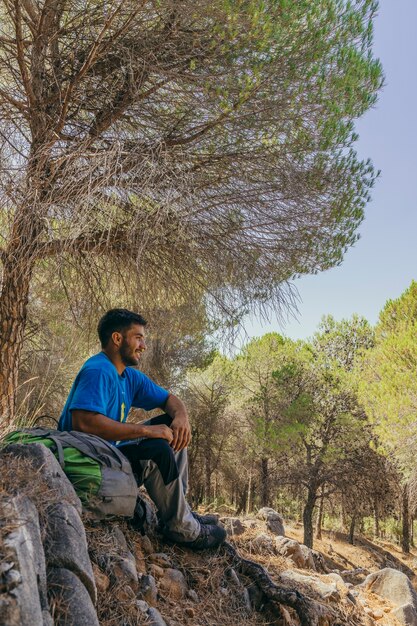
(133, 344)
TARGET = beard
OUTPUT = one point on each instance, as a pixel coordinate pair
(128, 355)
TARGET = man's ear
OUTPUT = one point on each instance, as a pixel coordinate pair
(117, 338)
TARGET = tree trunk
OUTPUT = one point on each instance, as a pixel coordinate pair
(320, 516)
(352, 529)
(308, 517)
(248, 501)
(207, 478)
(405, 539)
(17, 273)
(264, 482)
(376, 519)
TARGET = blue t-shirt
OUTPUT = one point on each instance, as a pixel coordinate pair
(99, 388)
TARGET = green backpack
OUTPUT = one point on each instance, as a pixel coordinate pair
(101, 475)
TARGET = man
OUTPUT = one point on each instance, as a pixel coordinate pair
(99, 401)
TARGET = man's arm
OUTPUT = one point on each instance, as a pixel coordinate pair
(180, 422)
(106, 428)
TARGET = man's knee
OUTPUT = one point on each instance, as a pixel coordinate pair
(163, 456)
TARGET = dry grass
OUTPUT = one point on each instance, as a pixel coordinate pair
(205, 573)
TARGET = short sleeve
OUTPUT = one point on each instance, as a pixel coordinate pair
(148, 395)
(92, 391)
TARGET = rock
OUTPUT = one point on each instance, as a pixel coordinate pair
(122, 566)
(47, 619)
(147, 546)
(173, 584)
(66, 545)
(45, 463)
(405, 614)
(233, 525)
(263, 544)
(102, 581)
(319, 562)
(291, 549)
(192, 595)
(147, 589)
(161, 559)
(354, 576)
(308, 558)
(249, 523)
(376, 614)
(333, 577)
(73, 604)
(395, 586)
(155, 618)
(142, 606)
(119, 539)
(156, 571)
(233, 577)
(324, 590)
(274, 521)
(24, 573)
(299, 554)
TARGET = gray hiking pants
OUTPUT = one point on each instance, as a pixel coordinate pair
(164, 473)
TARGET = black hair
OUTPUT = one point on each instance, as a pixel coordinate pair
(117, 320)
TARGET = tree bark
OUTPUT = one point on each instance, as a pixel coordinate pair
(405, 539)
(17, 273)
(264, 482)
(376, 519)
(248, 501)
(352, 530)
(308, 517)
(320, 516)
(207, 478)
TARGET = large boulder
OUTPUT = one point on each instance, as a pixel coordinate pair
(396, 587)
(71, 598)
(43, 462)
(299, 554)
(274, 521)
(66, 545)
(23, 588)
(326, 590)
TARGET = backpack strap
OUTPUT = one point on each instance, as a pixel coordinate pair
(59, 450)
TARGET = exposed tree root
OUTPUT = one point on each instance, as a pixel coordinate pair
(310, 612)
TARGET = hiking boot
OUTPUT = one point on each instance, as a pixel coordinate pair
(211, 536)
(207, 518)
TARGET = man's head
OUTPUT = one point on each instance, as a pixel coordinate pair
(123, 332)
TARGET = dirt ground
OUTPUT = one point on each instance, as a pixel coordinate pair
(372, 555)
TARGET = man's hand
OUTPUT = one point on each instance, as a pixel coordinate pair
(182, 432)
(180, 423)
(160, 431)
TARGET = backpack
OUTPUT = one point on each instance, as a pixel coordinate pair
(100, 474)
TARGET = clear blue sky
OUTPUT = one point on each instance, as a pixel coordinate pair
(384, 261)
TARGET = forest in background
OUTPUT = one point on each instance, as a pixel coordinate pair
(322, 430)
(190, 160)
